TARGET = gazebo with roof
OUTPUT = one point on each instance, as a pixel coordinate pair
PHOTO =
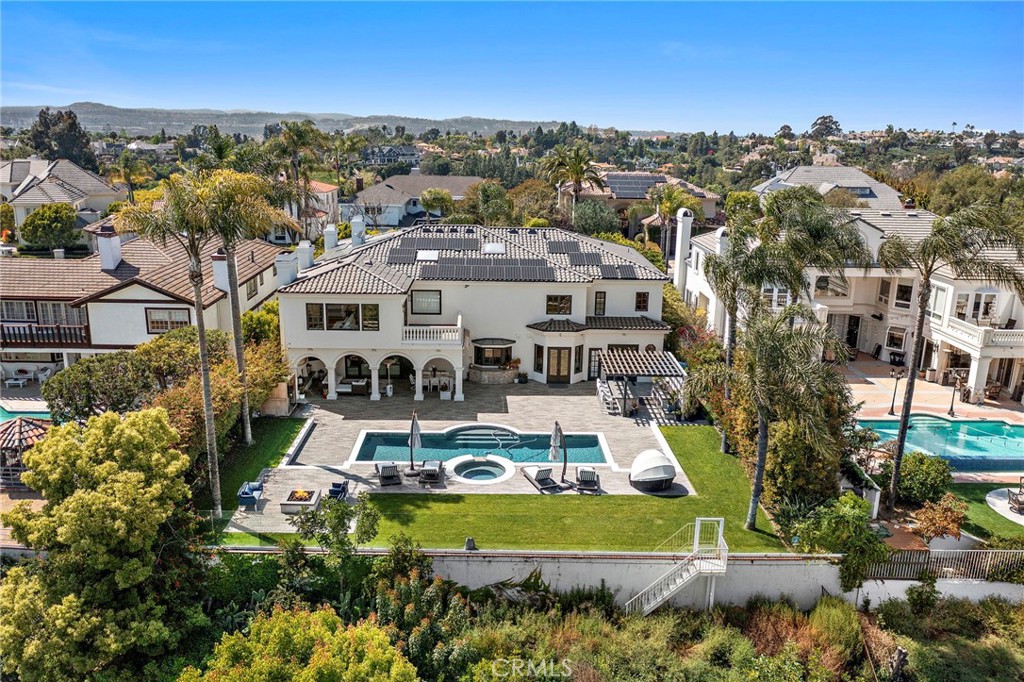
(16, 436)
(627, 365)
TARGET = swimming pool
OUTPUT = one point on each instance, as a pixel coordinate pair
(969, 445)
(5, 415)
(478, 440)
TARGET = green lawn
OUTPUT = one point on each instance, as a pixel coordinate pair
(271, 436)
(981, 520)
(607, 522)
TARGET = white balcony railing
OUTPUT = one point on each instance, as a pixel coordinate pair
(433, 334)
(980, 337)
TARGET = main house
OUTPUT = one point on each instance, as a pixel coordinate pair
(972, 332)
(396, 202)
(27, 184)
(449, 303)
(56, 311)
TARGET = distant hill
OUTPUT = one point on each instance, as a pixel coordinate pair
(102, 117)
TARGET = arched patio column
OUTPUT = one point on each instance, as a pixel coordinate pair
(419, 383)
(332, 383)
(458, 385)
(375, 382)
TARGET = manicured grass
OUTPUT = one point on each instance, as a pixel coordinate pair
(606, 522)
(981, 520)
(271, 436)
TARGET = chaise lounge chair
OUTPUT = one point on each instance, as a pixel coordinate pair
(431, 471)
(587, 480)
(541, 479)
(338, 490)
(387, 473)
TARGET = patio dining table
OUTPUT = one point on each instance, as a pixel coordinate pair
(433, 383)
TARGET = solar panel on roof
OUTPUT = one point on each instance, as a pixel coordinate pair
(627, 271)
(401, 256)
(609, 272)
(563, 247)
(584, 258)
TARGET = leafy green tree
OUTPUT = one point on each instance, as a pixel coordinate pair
(262, 325)
(842, 527)
(119, 581)
(51, 226)
(435, 164)
(785, 132)
(963, 243)
(115, 382)
(301, 645)
(298, 143)
(492, 203)
(923, 478)
(130, 170)
(58, 135)
(740, 202)
(173, 356)
(329, 526)
(187, 220)
(595, 217)
(532, 199)
(825, 126)
(964, 186)
(436, 200)
(782, 373)
(649, 251)
(574, 167)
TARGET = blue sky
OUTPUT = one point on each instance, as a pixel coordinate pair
(679, 66)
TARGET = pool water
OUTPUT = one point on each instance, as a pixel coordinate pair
(380, 446)
(5, 415)
(969, 445)
(479, 471)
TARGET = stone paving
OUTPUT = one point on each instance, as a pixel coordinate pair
(325, 457)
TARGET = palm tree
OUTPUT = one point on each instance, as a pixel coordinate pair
(962, 243)
(298, 143)
(344, 148)
(436, 199)
(573, 166)
(131, 170)
(239, 209)
(782, 373)
(185, 219)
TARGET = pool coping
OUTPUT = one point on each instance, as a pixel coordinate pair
(24, 406)
(944, 417)
(954, 459)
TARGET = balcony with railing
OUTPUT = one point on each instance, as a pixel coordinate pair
(978, 336)
(31, 335)
(433, 334)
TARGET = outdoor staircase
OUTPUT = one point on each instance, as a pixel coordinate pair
(708, 557)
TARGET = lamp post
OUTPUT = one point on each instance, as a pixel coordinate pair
(897, 376)
(956, 385)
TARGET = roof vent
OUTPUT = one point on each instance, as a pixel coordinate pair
(493, 248)
(856, 213)
(513, 231)
(911, 214)
(886, 214)
(531, 231)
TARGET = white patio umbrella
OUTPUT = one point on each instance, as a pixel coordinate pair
(558, 442)
(414, 442)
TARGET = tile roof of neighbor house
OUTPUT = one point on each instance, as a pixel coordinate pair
(322, 187)
(15, 171)
(707, 241)
(61, 181)
(693, 189)
(398, 189)
(826, 178)
(473, 253)
(159, 267)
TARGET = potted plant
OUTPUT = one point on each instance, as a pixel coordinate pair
(521, 378)
(445, 389)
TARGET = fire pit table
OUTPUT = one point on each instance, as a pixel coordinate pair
(298, 500)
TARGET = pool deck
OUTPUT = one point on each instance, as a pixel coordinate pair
(532, 407)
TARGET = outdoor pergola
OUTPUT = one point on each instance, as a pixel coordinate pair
(625, 366)
(16, 436)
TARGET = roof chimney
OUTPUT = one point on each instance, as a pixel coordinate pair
(109, 246)
(287, 266)
(58, 254)
(304, 252)
(330, 237)
(358, 230)
(220, 271)
(684, 223)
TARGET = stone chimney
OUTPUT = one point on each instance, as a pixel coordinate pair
(220, 270)
(358, 230)
(330, 237)
(684, 223)
(287, 265)
(109, 246)
(58, 254)
(304, 252)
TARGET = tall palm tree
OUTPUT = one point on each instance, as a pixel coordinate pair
(185, 220)
(976, 243)
(238, 210)
(131, 170)
(782, 372)
(299, 143)
(343, 148)
(574, 166)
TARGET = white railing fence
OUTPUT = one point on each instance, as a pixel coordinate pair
(962, 564)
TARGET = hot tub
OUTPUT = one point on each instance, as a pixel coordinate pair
(477, 470)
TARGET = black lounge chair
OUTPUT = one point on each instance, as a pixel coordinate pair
(387, 473)
(431, 471)
(338, 490)
(587, 480)
(541, 479)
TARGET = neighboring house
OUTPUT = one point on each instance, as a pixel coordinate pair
(465, 302)
(56, 182)
(824, 179)
(396, 201)
(971, 326)
(624, 188)
(54, 312)
(388, 154)
(320, 211)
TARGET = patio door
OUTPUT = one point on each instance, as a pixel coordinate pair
(559, 365)
(594, 364)
(853, 332)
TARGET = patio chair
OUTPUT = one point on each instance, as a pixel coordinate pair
(387, 473)
(588, 480)
(338, 490)
(44, 374)
(1020, 488)
(1010, 324)
(431, 471)
(993, 390)
(1016, 502)
(250, 493)
(541, 479)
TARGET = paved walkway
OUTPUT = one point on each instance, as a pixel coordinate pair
(999, 501)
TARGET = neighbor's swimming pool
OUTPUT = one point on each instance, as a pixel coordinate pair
(5, 415)
(969, 445)
(376, 446)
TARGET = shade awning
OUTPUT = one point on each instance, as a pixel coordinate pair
(622, 362)
(493, 342)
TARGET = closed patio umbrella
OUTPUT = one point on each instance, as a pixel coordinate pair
(558, 441)
(414, 443)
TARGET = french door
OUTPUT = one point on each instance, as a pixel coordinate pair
(559, 365)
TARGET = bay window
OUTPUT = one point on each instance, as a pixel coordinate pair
(895, 337)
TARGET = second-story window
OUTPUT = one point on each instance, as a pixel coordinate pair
(643, 300)
(18, 311)
(343, 316)
(884, 285)
(371, 317)
(904, 294)
(250, 289)
(160, 320)
(314, 316)
(559, 304)
(599, 303)
(427, 302)
(937, 303)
